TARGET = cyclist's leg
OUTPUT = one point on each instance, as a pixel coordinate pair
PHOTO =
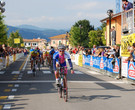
(57, 74)
(31, 63)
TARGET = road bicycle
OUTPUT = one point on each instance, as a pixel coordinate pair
(62, 88)
(34, 68)
(38, 64)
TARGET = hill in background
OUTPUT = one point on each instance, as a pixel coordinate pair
(30, 32)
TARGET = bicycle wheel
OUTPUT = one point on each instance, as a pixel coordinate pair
(60, 91)
(65, 92)
(38, 65)
(34, 72)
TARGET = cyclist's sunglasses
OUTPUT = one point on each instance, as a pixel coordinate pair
(61, 50)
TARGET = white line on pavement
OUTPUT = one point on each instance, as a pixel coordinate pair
(78, 72)
(53, 81)
(11, 97)
(8, 106)
(2, 72)
(25, 63)
(15, 72)
(14, 90)
(46, 72)
(16, 85)
(93, 72)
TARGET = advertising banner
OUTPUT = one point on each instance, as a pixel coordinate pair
(80, 60)
(102, 63)
(86, 60)
(126, 43)
(131, 70)
(124, 66)
(16, 40)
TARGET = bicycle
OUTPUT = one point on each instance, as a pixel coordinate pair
(34, 68)
(61, 87)
(38, 64)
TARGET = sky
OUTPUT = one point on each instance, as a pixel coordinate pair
(56, 14)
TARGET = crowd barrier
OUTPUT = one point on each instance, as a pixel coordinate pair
(121, 69)
(100, 64)
(5, 62)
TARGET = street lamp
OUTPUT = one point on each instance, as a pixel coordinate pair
(80, 26)
(66, 38)
(110, 12)
(2, 4)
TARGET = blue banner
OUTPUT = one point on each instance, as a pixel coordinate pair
(87, 60)
(131, 70)
(102, 63)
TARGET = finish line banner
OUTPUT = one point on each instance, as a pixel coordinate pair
(102, 63)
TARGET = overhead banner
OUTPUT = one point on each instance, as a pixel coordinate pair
(126, 43)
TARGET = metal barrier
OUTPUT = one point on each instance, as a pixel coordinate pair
(5, 62)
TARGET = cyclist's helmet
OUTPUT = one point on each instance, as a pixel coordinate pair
(35, 51)
(61, 47)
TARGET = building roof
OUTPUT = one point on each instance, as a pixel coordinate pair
(113, 16)
(34, 40)
(62, 36)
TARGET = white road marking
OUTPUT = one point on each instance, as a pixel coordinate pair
(2, 72)
(19, 78)
(14, 90)
(25, 63)
(29, 72)
(8, 106)
(16, 72)
(53, 81)
(46, 72)
(78, 72)
(11, 97)
(16, 85)
(93, 72)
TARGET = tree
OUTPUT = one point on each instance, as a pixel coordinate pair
(11, 38)
(3, 31)
(97, 37)
(79, 33)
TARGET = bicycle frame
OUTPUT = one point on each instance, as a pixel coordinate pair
(62, 84)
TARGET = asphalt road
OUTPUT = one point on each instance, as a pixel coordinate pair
(88, 90)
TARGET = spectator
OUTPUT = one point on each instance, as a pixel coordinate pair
(132, 54)
(94, 50)
(1, 51)
(113, 36)
(126, 5)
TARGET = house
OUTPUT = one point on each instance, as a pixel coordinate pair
(33, 43)
(116, 22)
(55, 41)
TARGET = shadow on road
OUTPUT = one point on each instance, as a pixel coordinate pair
(90, 98)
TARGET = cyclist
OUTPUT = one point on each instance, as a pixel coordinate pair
(46, 56)
(51, 56)
(34, 56)
(59, 60)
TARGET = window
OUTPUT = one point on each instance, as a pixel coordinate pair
(53, 42)
(34, 43)
(59, 42)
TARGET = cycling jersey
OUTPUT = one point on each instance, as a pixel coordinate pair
(61, 59)
(52, 52)
(33, 54)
